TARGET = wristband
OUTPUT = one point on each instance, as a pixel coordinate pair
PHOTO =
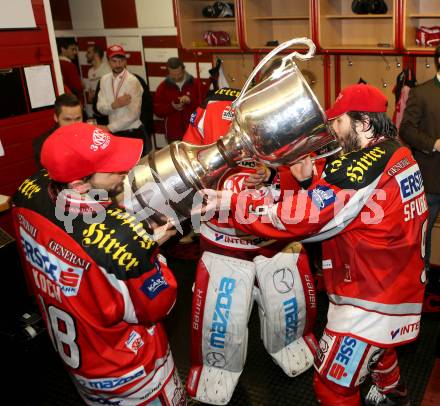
(273, 173)
(305, 184)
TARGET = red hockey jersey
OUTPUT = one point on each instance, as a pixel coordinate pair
(102, 290)
(213, 119)
(208, 123)
(370, 209)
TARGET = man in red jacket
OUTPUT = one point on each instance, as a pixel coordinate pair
(68, 49)
(100, 283)
(176, 98)
(369, 209)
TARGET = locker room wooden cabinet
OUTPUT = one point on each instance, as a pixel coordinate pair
(416, 13)
(192, 24)
(339, 28)
(332, 24)
(372, 47)
(274, 21)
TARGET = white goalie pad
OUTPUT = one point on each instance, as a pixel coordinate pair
(297, 357)
(212, 385)
(222, 301)
(283, 310)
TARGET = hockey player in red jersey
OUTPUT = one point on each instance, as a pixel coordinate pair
(369, 209)
(224, 289)
(96, 273)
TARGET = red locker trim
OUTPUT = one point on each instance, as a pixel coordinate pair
(134, 57)
(314, 24)
(157, 69)
(85, 42)
(160, 41)
(176, 19)
(239, 21)
(337, 74)
(119, 14)
(194, 56)
(62, 19)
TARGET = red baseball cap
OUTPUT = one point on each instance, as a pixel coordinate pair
(78, 150)
(115, 50)
(359, 97)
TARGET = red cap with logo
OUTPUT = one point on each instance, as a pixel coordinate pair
(78, 150)
(359, 97)
(115, 50)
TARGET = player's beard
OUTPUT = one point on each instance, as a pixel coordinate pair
(117, 70)
(351, 142)
(116, 190)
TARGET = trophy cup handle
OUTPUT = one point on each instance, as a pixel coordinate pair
(300, 41)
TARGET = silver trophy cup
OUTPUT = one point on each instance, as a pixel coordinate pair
(277, 122)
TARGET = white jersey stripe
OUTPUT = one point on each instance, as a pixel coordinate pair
(121, 287)
(392, 309)
(346, 215)
(375, 328)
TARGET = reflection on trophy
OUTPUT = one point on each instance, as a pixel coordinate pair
(277, 122)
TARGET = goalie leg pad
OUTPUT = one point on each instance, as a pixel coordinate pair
(298, 356)
(287, 308)
(211, 385)
(222, 303)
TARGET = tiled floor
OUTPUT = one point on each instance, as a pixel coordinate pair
(36, 377)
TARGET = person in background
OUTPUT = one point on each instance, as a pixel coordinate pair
(68, 50)
(98, 279)
(420, 129)
(120, 98)
(176, 98)
(68, 111)
(99, 67)
(368, 198)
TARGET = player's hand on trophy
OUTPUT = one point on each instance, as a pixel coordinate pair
(162, 233)
(211, 201)
(256, 180)
(303, 169)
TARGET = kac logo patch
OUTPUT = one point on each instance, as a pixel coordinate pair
(322, 196)
(154, 285)
(134, 342)
(228, 113)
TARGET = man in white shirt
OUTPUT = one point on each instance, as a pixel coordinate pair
(99, 67)
(120, 98)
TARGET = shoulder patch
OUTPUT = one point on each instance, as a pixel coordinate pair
(398, 166)
(228, 113)
(410, 183)
(154, 285)
(322, 196)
